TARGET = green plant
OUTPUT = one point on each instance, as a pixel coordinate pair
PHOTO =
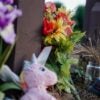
(58, 32)
(60, 61)
(8, 14)
(5, 54)
(59, 4)
(7, 86)
(79, 17)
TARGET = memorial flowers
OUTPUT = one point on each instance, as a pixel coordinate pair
(56, 22)
(8, 13)
(58, 32)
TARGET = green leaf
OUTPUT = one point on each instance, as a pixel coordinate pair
(53, 67)
(2, 95)
(66, 46)
(1, 46)
(79, 17)
(61, 57)
(67, 89)
(61, 85)
(4, 57)
(8, 86)
(74, 60)
(77, 36)
(65, 70)
(50, 67)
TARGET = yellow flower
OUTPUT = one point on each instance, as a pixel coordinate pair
(59, 23)
(57, 36)
(62, 9)
(48, 40)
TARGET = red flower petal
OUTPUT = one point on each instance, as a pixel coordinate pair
(48, 26)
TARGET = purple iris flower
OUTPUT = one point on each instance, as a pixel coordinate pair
(8, 13)
(8, 34)
(3, 22)
(8, 1)
(3, 8)
(13, 14)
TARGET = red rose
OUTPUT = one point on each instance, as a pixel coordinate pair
(48, 26)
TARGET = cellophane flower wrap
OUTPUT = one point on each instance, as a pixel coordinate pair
(58, 32)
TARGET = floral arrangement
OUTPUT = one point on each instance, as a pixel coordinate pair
(8, 13)
(58, 32)
(57, 24)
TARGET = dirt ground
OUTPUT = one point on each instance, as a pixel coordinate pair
(84, 95)
(64, 96)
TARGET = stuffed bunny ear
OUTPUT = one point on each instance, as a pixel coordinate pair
(42, 58)
(34, 59)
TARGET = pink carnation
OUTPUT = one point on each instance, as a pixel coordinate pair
(68, 31)
(50, 7)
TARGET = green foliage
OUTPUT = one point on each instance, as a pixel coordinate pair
(2, 95)
(79, 17)
(65, 46)
(5, 55)
(63, 42)
(62, 67)
(59, 4)
(8, 86)
(77, 36)
(1, 45)
(64, 63)
(60, 62)
(63, 85)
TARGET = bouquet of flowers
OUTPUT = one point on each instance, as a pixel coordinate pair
(58, 32)
(8, 14)
(57, 24)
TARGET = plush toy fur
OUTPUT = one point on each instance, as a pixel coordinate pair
(35, 79)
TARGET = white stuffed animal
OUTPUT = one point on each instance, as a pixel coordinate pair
(35, 78)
